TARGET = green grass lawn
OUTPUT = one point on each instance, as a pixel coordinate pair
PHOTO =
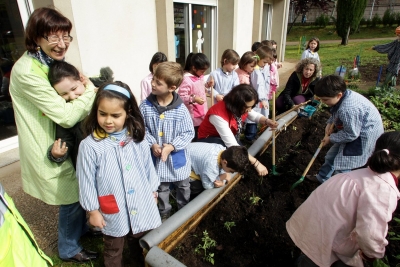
(333, 55)
(329, 33)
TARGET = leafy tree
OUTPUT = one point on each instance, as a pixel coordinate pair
(349, 14)
(301, 7)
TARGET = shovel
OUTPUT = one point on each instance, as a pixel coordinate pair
(310, 163)
(274, 172)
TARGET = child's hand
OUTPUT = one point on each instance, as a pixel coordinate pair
(326, 140)
(272, 124)
(218, 183)
(210, 82)
(96, 219)
(155, 195)
(219, 98)
(59, 149)
(279, 65)
(198, 100)
(261, 169)
(265, 104)
(166, 150)
(156, 150)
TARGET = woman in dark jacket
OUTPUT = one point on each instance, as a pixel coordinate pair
(300, 86)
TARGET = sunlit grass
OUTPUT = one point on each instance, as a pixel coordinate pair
(333, 55)
(329, 33)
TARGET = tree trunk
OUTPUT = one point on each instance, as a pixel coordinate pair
(345, 40)
(291, 26)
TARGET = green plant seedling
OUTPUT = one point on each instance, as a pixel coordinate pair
(255, 199)
(229, 225)
(208, 243)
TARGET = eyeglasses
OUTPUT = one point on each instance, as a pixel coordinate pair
(55, 39)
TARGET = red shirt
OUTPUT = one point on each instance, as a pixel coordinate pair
(206, 129)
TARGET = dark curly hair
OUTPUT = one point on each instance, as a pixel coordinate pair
(237, 158)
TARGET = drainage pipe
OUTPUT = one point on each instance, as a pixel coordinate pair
(174, 229)
(158, 257)
(267, 134)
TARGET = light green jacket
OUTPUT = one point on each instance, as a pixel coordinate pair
(17, 245)
(38, 108)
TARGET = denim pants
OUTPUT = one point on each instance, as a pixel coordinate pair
(327, 169)
(71, 226)
(251, 131)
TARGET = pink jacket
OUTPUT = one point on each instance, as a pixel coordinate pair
(244, 77)
(193, 85)
(145, 86)
(348, 213)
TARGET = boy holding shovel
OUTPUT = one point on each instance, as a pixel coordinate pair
(358, 124)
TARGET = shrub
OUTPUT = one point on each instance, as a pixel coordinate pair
(388, 18)
(376, 20)
(322, 21)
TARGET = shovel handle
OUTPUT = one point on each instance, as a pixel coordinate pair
(316, 153)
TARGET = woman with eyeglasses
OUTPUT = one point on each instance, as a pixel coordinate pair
(38, 108)
(223, 122)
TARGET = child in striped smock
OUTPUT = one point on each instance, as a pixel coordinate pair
(117, 180)
(260, 80)
(169, 129)
(225, 78)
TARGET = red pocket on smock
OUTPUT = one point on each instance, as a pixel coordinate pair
(108, 204)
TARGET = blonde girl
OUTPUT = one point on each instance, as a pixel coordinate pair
(247, 63)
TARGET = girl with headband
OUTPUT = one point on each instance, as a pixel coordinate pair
(345, 220)
(117, 180)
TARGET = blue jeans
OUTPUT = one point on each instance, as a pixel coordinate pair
(71, 226)
(327, 169)
(251, 131)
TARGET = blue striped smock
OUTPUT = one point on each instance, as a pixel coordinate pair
(106, 168)
(173, 127)
(224, 82)
(361, 127)
(204, 158)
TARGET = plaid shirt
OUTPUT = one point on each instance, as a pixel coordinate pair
(360, 125)
(173, 127)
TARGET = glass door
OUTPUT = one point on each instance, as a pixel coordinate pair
(12, 46)
(194, 31)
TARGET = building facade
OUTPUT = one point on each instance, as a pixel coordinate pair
(124, 34)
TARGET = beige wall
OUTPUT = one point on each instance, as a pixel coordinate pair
(122, 36)
(125, 36)
(165, 27)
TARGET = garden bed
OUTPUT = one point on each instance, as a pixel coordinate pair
(259, 207)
